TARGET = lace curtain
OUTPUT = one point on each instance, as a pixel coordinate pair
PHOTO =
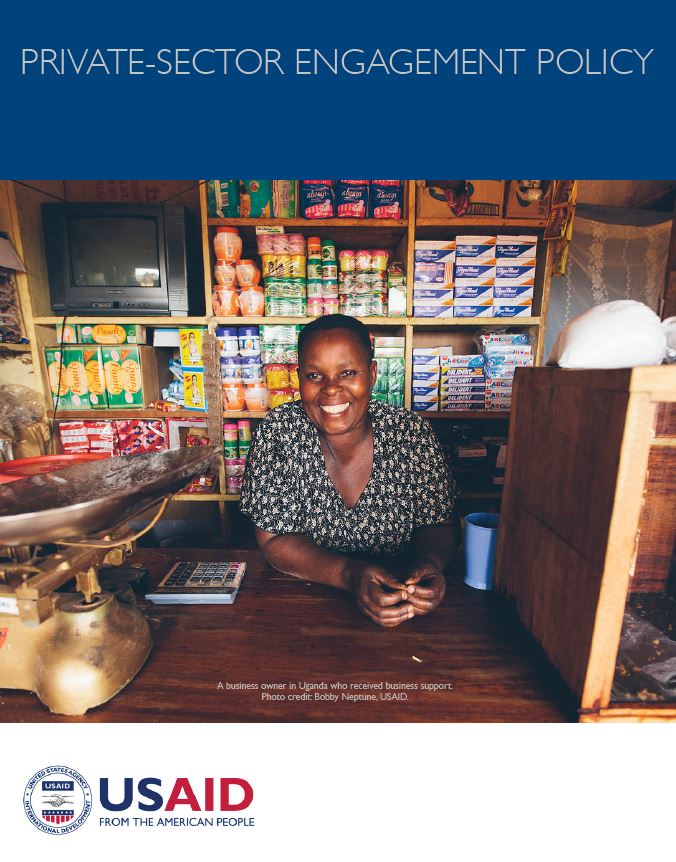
(607, 262)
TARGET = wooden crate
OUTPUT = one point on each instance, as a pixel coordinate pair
(589, 513)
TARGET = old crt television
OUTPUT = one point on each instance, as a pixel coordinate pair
(120, 259)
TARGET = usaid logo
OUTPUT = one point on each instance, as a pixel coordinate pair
(57, 800)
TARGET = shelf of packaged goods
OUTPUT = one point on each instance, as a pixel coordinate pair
(146, 413)
(203, 498)
(482, 222)
(310, 225)
(473, 322)
(245, 414)
(8, 347)
(156, 321)
(465, 414)
(260, 321)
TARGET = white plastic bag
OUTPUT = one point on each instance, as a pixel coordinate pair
(620, 334)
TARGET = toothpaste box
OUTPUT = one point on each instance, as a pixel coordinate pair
(474, 294)
(472, 390)
(461, 310)
(500, 406)
(499, 385)
(433, 262)
(508, 350)
(504, 338)
(506, 365)
(463, 403)
(421, 407)
(501, 309)
(432, 296)
(432, 311)
(519, 249)
(478, 248)
(461, 375)
(516, 293)
(463, 360)
(514, 274)
(470, 272)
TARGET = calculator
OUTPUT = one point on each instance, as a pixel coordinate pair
(199, 584)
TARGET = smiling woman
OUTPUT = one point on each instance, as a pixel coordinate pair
(336, 479)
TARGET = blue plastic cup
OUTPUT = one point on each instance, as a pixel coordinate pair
(481, 532)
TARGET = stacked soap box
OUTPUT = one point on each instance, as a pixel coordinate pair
(433, 278)
(475, 267)
(388, 352)
(503, 353)
(514, 276)
(475, 276)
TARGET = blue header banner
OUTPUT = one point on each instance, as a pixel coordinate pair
(146, 90)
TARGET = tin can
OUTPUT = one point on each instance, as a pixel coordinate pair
(243, 430)
(314, 288)
(314, 246)
(330, 287)
(314, 268)
(329, 271)
(328, 251)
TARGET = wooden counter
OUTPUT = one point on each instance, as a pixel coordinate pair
(283, 630)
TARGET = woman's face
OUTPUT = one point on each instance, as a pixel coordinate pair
(336, 377)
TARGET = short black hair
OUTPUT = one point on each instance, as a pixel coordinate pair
(336, 321)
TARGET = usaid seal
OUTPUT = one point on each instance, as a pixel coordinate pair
(57, 800)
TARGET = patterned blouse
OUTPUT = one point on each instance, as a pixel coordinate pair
(287, 488)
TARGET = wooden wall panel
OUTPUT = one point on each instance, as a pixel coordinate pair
(665, 420)
(657, 524)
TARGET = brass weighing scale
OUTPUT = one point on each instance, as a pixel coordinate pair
(76, 650)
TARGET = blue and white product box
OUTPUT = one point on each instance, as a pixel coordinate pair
(504, 338)
(463, 360)
(425, 374)
(432, 296)
(476, 248)
(509, 275)
(518, 249)
(422, 406)
(459, 374)
(510, 309)
(469, 273)
(516, 293)
(477, 294)
(433, 263)
(425, 390)
(472, 310)
(504, 366)
(507, 350)
(432, 311)
(426, 356)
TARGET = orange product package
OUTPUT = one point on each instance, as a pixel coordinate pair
(233, 395)
(252, 301)
(225, 302)
(256, 396)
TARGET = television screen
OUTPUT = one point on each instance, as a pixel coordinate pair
(121, 252)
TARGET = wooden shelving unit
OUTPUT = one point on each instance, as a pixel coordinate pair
(8, 347)
(398, 236)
